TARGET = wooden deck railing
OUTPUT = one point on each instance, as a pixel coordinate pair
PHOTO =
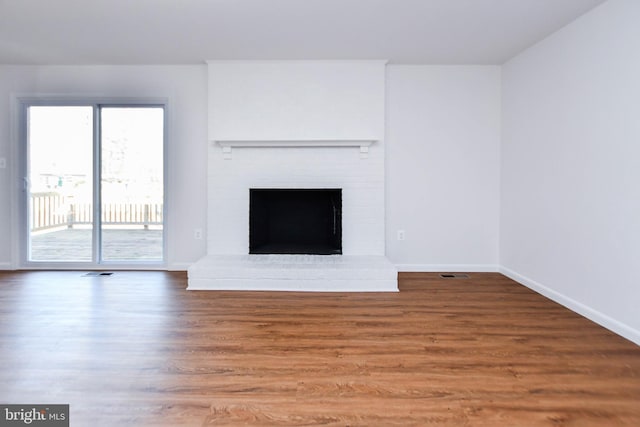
(50, 210)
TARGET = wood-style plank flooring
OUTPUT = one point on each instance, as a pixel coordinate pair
(137, 349)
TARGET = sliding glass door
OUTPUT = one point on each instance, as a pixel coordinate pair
(131, 183)
(60, 183)
(94, 184)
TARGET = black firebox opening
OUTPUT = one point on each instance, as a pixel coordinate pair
(295, 221)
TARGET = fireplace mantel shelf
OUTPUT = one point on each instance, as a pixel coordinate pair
(228, 145)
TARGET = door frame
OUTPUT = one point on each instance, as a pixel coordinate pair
(20, 229)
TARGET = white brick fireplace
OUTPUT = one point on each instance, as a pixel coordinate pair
(296, 125)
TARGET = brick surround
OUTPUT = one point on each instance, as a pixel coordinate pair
(361, 181)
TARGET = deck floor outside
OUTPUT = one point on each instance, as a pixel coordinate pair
(74, 244)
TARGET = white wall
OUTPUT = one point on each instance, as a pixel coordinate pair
(443, 142)
(185, 89)
(442, 152)
(289, 100)
(570, 214)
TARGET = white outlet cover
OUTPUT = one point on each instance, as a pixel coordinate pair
(3, 163)
(197, 234)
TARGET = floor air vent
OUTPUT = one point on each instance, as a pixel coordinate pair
(97, 274)
(454, 276)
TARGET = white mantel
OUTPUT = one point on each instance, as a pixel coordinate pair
(228, 145)
(296, 124)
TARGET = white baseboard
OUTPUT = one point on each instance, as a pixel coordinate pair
(179, 266)
(6, 266)
(613, 325)
(449, 268)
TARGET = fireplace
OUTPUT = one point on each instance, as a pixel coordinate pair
(296, 185)
(295, 221)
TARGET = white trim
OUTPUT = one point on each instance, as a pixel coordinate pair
(236, 143)
(14, 178)
(296, 61)
(452, 268)
(610, 323)
(228, 144)
(179, 266)
(5, 266)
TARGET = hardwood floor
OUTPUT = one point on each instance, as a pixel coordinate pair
(136, 349)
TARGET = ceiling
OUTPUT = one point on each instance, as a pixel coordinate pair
(192, 31)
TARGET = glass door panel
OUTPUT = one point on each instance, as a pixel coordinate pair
(131, 158)
(60, 177)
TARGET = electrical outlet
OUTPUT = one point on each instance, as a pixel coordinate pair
(3, 163)
(400, 234)
(197, 233)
